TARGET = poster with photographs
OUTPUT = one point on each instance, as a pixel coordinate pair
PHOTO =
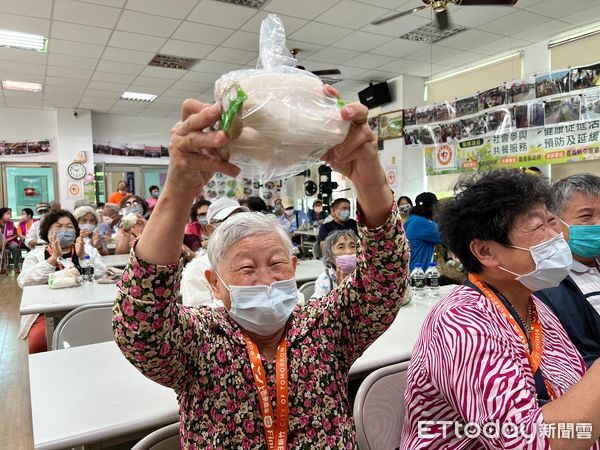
(585, 77)
(451, 131)
(521, 90)
(412, 136)
(444, 111)
(521, 116)
(499, 122)
(562, 110)
(536, 114)
(137, 151)
(552, 83)
(590, 106)
(474, 126)
(24, 148)
(425, 114)
(410, 117)
(466, 106)
(152, 151)
(372, 121)
(492, 98)
(391, 125)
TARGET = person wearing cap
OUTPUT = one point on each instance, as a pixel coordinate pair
(422, 232)
(340, 212)
(33, 234)
(88, 221)
(195, 288)
(292, 218)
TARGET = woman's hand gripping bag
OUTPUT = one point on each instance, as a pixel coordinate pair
(278, 118)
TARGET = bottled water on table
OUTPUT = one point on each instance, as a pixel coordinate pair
(417, 281)
(432, 281)
(87, 269)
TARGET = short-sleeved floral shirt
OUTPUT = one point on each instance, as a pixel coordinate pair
(201, 353)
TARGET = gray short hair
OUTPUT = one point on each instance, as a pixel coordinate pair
(239, 226)
(563, 190)
(331, 240)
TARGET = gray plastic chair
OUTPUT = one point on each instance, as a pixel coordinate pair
(89, 324)
(379, 408)
(307, 289)
(165, 438)
(316, 251)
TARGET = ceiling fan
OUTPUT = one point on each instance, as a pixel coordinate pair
(440, 7)
(325, 75)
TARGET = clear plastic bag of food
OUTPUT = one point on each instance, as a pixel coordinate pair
(278, 119)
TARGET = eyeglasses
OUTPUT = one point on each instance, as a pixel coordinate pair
(131, 203)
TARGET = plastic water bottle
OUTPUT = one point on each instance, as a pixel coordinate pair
(417, 281)
(432, 280)
(87, 269)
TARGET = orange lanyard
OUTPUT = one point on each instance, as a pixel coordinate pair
(535, 355)
(275, 431)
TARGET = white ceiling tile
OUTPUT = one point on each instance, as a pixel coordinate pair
(34, 8)
(426, 70)
(320, 33)
(545, 31)
(200, 77)
(135, 41)
(351, 14)
(24, 24)
(243, 40)
(137, 22)
(26, 56)
(186, 49)
(334, 55)
(527, 3)
(113, 3)
(306, 9)
(398, 48)
(96, 107)
(128, 56)
(290, 24)
(99, 100)
(205, 34)
(18, 67)
(65, 91)
(23, 101)
(107, 86)
(73, 48)
(362, 42)
(76, 62)
(65, 82)
(469, 39)
(231, 55)
(177, 9)
(183, 93)
(461, 59)
(221, 14)
(216, 67)
(560, 8)
(69, 72)
(190, 85)
(502, 45)
(162, 72)
(369, 61)
(378, 75)
(7, 74)
(120, 67)
(113, 77)
(60, 103)
(516, 22)
(85, 13)
(144, 89)
(154, 82)
(112, 93)
(401, 66)
(397, 27)
(168, 102)
(80, 33)
(428, 53)
(583, 16)
(350, 72)
(476, 16)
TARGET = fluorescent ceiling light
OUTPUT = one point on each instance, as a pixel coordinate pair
(579, 34)
(476, 67)
(23, 41)
(137, 96)
(21, 86)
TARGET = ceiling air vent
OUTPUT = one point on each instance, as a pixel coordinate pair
(172, 62)
(430, 33)
(255, 4)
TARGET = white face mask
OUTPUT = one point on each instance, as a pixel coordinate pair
(553, 262)
(262, 309)
(88, 226)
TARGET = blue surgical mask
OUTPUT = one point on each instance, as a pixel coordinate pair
(345, 214)
(202, 220)
(584, 240)
(88, 226)
(66, 238)
(155, 194)
(262, 309)
(135, 209)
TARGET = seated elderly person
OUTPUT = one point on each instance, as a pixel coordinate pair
(491, 356)
(220, 360)
(339, 258)
(88, 225)
(576, 301)
(66, 248)
(195, 288)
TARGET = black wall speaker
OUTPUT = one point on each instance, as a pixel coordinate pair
(375, 95)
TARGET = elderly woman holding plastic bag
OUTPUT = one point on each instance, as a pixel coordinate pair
(222, 362)
(339, 258)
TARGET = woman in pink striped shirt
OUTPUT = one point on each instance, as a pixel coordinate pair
(493, 368)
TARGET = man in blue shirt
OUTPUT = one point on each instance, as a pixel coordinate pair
(422, 232)
(291, 218)
(340, 213)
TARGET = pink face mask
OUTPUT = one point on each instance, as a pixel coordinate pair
(346, 263)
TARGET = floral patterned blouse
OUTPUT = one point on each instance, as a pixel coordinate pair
(201, 353)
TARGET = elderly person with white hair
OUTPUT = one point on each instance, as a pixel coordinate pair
(226, 364)
(88, 221)
(339, 258)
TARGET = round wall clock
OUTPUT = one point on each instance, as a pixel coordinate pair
(76, 170)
